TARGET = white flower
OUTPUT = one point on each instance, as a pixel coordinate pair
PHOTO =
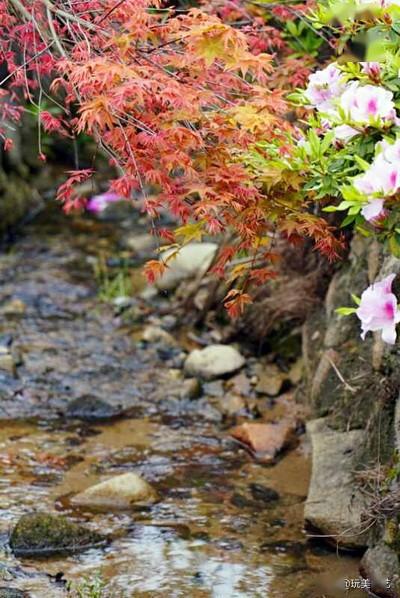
(345, 132)
(373, 211)
(366, 104)
(325, 86)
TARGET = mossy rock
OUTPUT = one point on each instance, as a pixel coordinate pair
(40, 534)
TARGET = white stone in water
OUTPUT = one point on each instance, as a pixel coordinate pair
(119, 492)
(190, 261)
(213, 361)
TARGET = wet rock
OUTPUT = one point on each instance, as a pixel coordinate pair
(335, 505)
(191, 389)
(270, 381)
(232, 404)
(214, 361)
(120, 492)
(240, 501)
(380, 564)
(265, 440)
(191, 261)
(91, 408)
(12, 593)
(6, 360)
(15, 307)
(154, 334)
(140, 242)
(214, 388)
(287, 556)
(40, 534)
(240, 384)
(263, 493)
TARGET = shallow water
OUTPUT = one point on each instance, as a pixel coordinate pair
(206, 537)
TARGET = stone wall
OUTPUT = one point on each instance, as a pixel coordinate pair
(352, 388)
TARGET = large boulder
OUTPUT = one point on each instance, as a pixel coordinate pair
(120, 492)
(335, 506)
(380, 565)
(41, 534)
(214, 361)
(190, 261)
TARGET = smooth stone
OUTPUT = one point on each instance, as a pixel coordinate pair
(13, 307)
(231, 404)
(270, 381)
(214, 388)
(40, 534)
(91, 408)
(120, 492)
(266, 440)
(6, 361)
(191, 260)
(140, 243)
(213, 361)
(260, 492)
(191, 389)
(155, 334)
(335, 506)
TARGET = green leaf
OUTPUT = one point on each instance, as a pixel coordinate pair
(356, 299)
(362, 163)
(345, 311)
(348, 220)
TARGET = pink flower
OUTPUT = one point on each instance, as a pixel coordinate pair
(98, 203)
(378, 310)
(324, 86)
(372, 69)
(345, 133)
(382, 177)
(373, 211)
(366, 104)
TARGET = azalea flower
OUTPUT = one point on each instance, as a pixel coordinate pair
(372, 69)
(345, 132)
(373, 210)
(383, 176)
(98, 203)
(364, 104)
(378, 310)
(325, 86)
(390, 151)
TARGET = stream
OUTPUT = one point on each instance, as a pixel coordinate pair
(206, 536)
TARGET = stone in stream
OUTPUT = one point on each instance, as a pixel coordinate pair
(6, 592)
(335, 506)
(40, 534)
(155, 334)
(120, 492)
(288, 556)
(214, 361)
(270, 380)
(266, 440)
(263, 493)
(91, 408)
(190, 261)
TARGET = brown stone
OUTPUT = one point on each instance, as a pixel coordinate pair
(265, 440)
(270, 381)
